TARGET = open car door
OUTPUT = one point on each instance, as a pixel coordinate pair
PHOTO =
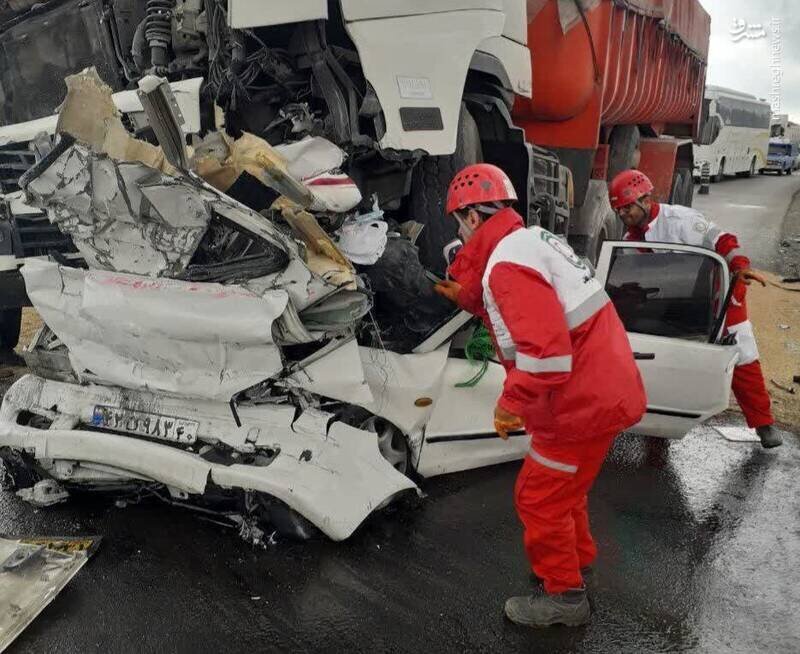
(671, 299)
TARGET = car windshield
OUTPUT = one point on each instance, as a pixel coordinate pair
(780, 149)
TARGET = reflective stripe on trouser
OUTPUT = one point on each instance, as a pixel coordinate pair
(748, 385)
(551, 502)
(751, 393)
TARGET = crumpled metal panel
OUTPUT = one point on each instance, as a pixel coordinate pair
(331, 473)
(122, 216)
(187, 338)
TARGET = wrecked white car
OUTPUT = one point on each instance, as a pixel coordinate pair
(244, 333)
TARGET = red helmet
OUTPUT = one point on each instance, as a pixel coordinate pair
(627, 187)
(479, 184)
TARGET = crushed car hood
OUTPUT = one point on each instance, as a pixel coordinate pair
(201, 340)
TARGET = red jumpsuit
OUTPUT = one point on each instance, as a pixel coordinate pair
(570, 374)
(676, 224)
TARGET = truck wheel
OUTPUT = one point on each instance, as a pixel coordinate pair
(682, 187)
(606, 232)
(429, 184)
(721, 172)
(688, 189)
(10, 322)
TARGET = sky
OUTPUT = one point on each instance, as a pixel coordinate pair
(747, 64)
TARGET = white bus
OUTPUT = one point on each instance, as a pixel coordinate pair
(735, 134)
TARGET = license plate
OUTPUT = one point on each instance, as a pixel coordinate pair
(167, 428)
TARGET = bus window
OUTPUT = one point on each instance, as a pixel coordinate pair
(743, 113)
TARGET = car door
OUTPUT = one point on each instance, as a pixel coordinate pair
(460, 433)
(671, 299)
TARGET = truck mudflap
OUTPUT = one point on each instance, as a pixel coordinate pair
(329, 472)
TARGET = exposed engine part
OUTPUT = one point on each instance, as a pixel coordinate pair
(46, 492)
(158, 30)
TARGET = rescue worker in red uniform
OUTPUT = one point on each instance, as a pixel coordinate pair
(647, 220)
(571, 379)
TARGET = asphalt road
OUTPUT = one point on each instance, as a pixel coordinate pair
(754, 209)
(699, 542)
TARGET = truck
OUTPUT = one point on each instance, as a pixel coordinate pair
(616, 85)
(561, 95)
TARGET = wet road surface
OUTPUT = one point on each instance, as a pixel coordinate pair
(698, 540)
(754, 209)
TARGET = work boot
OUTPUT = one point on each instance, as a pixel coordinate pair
(540, 610)
(770, 437)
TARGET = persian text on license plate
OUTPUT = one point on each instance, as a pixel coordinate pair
(153, 425)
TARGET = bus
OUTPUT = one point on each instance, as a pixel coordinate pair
(734, 139)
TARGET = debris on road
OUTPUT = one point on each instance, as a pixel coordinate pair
(33, 571)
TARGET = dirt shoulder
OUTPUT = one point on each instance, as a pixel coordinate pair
(790, 240)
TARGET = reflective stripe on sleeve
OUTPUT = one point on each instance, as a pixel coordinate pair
(733, 253)
(712, 236)
(549, 463)
(587, 309)
(547, 364)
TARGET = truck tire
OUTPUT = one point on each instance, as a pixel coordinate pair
(10, 322)
(720, 173)
(623, 149)
(683, 187)
(429, 184)
(606, 232)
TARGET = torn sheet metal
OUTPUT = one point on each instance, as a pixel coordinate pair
(332, 474)
(338, 375)
(194, 339)
(165, 119)
(405, 386)
(31, 576)
(127, 217)
(121, 216)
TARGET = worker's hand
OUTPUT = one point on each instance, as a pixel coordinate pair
(505, 422)
(748, 276)
(449, 289)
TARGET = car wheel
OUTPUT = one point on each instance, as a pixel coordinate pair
(429, 183)
(392, 443)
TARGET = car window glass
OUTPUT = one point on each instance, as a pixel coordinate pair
(664, 292)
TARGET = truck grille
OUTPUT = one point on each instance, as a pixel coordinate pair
(36, 236)
(15, 159)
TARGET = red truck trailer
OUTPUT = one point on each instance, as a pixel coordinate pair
(616, 84)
